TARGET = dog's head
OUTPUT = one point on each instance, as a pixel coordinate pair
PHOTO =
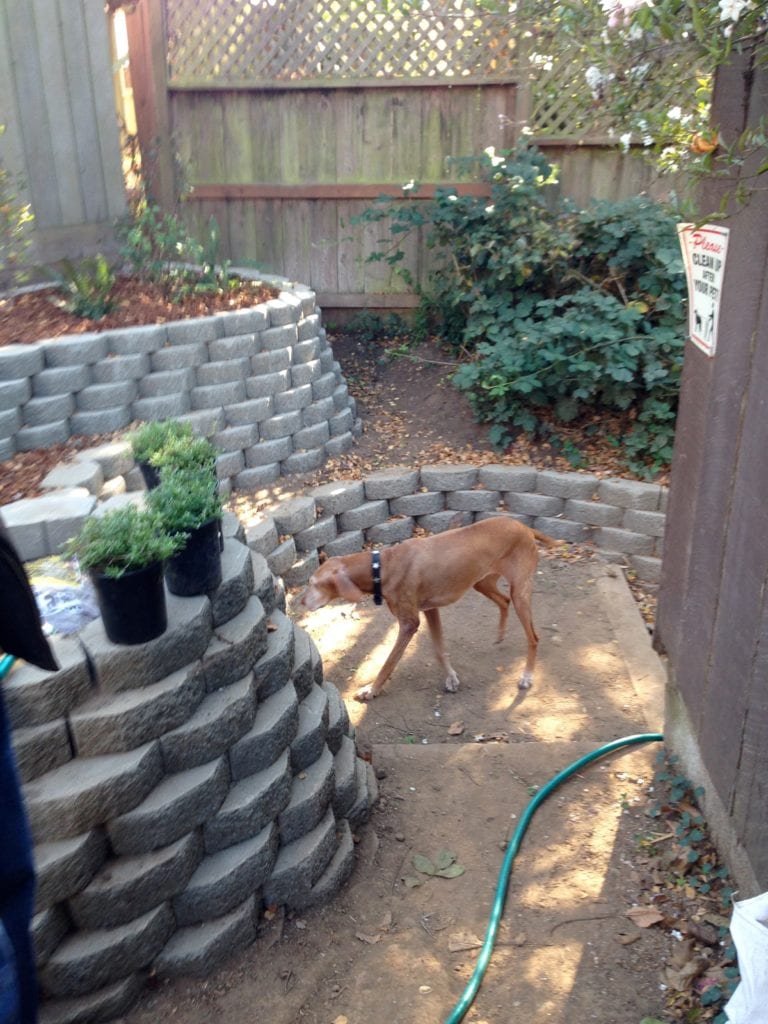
(331, 581)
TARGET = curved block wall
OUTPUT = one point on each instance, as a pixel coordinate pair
(175, 787)
(262, 383)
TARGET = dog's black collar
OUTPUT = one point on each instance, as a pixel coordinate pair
(376, 573)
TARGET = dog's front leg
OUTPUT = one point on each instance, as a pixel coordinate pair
(405, 634)
(436, 632)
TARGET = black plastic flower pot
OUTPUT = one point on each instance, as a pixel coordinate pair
(150, 474)
(196, 569)
(132, 606)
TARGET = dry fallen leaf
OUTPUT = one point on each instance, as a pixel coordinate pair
(370, 939)
(644, 917)
(463, 940)
(456, 729)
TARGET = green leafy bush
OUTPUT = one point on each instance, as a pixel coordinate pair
(197, 454)
(185, 500)
(86, 287)
(149, 438)
(559, 314)
(121, 540)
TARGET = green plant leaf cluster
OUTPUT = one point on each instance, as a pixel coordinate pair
(185, 499)
(86, 286)
(150, 438)
(560, 314)
(121, 540)
(444, 865)
(195, 454)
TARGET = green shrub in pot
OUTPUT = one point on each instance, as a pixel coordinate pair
(187, 502)
(182, 453)
(150, 438)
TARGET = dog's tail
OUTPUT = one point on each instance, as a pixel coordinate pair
(542, 538)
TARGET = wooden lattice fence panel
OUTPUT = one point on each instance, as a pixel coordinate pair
(328, 41)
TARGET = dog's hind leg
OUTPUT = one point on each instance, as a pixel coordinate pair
(432, 615)
(487, 587)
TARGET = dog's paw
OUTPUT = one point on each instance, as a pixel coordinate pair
(526, 681)
(365, 694)
(452, 682)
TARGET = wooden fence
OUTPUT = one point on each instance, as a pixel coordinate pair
(285, 121)
(61, 138)
(713, 604)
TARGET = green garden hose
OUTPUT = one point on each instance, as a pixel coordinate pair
(514, 845)
(6, 661)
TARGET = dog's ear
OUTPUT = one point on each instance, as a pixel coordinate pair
(345, 586)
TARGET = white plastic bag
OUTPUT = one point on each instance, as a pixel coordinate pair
(749, 929)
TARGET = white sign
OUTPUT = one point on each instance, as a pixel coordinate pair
(704, 250)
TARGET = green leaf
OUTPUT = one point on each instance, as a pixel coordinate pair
(452, 871)
(411, 881)
(423, 864)
(444, 859)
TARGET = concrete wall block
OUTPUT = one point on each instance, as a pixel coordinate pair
(38, 412)
(229, 463)
(167, 382)
(294, 515)
(325, 385)
(611, 539)
(238, 346)
(364, 516)
(306, 297)
(97, 397)
(200, 949)
(252, 411)
(339, 496)
(508, 478)
(80, 473)
(648, 568)
(19, 361)
(593, 513)
(301, 863)
(75, 349)
(284, 425)
(235, 439)
(391, 483)
(282, 557)
(140, 340)
(630, 494)
(561, 529)
(306, 350)
(179, 357)
(279, 337)
(346, 543)
(320, 533)
(223, 372)
(243, 321)
(262, 537)
(284, 310)
(213, 396)
(439, 522)
(273, 670)
(651, 523)
(449, 478)
(307, 373)
(64, 868)
(311, 794)
(14, 393)
(473, 501)
(114, 457)
(311, 437)
(420, 504)
(261, 758)
(235, 647)
(255, 477)
(309, 327)
(161, 408)
(566, 485)
(265, 453)
(299, 573)
(61, 380)
(268, 384)
(293, 399)
(530, 504)
(115, 369)
(41, 748)
(10, 422)
(100, 421)
(341, 423)
(7, 448)
(30, 438)
(320, 411)
(188, 332)
(204, 422)
(391, 532)
(272, 361)
(340, 396)
(219, 721)
(339, 444)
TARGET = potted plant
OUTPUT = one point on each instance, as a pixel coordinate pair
(123, 553)
(187, 504)
(195, 454)
(150, 438)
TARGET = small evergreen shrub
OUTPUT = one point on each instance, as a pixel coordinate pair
(121, 540)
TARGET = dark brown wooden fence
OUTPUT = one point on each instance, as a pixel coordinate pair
(713, 607)
(285, 122)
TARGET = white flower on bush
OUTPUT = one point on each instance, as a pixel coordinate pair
(731, 10)
(620, 12)
(624, 141)
(490, 152)
(674, 114)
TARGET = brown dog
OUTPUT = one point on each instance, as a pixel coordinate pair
(427, 573)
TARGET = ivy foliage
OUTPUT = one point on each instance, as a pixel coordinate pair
(557, 313)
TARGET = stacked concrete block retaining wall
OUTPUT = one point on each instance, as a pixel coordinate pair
(175, 787)
(623, 519)
(262, 383)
